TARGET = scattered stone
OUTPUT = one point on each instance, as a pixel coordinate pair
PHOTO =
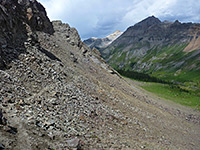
(3, 120)
(142, 147)
(3, 46)
(73, 143)
(12, 130)
(2, 147)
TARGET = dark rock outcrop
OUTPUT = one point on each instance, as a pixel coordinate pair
(18, 19)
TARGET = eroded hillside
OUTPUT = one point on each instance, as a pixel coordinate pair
(56, 93)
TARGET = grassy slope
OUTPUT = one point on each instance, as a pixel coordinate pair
(174, 94)
(167, 57)
(185, 72)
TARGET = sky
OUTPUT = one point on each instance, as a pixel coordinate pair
(99, 18)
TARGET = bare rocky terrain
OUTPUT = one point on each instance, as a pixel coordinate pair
(58, 94)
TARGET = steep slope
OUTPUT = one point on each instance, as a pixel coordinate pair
(166, 49)
(102, 43)
(55, 93)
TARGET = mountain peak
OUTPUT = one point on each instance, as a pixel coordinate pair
(153, 18)
(114, 35)
(104, 42)
(149, 21)
(117, 31)
(94, 38)
(177, 22)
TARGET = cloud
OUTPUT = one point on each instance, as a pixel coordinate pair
(183, 10)
(99, 18)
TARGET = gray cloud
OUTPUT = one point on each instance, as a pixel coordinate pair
(99, 18)
(184, 11)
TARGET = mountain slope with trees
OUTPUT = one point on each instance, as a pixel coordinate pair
(167, 50)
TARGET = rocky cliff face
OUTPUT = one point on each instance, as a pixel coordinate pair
(102, 43)
(152, 46)
(56, 93)
(18, 20)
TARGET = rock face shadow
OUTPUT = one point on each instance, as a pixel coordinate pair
(49, 54)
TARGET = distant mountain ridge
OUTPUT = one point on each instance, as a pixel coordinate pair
(164, 49)
(100, 43)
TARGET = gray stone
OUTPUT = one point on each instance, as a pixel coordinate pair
(3, 120)
(73, 143)
(2, 147)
